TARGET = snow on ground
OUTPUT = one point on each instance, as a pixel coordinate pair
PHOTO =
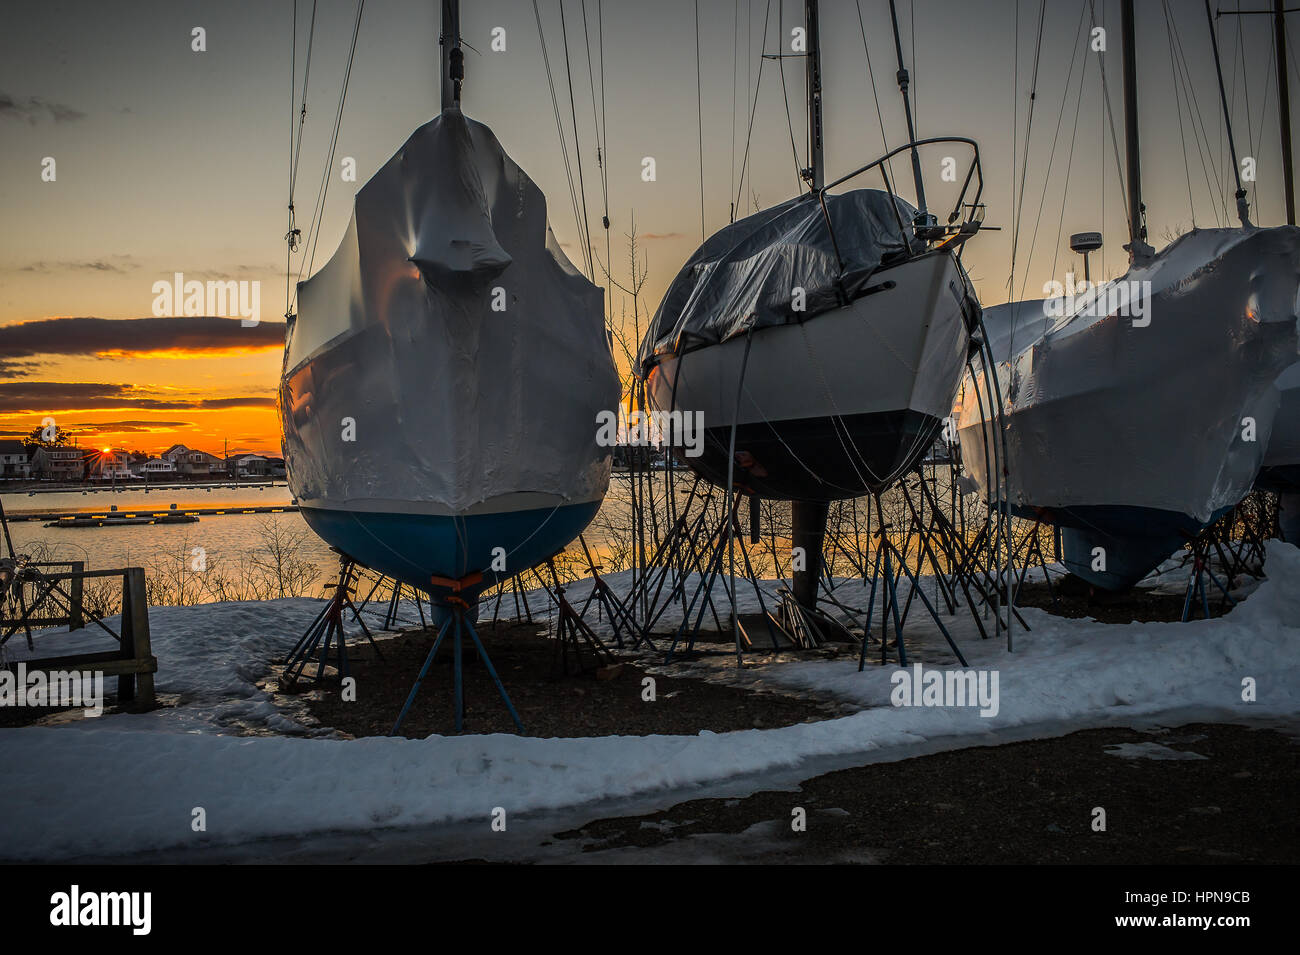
(129, 783)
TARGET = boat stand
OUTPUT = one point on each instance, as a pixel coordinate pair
(708, 562)
(571, 633)
(883, 572)
(1196, 586)
(327, 631)
(446, 594)
(966, 568)
(516, 588)
(620, 618)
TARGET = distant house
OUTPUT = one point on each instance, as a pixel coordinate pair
(250, 465)
(112, 464)
(191, 463)
(58, 464)
(15, 461)
(158, 467)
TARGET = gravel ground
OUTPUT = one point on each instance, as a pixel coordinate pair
(1027, 802)
(596, 702)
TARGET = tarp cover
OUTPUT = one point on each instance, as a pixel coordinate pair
(405, 389)
(744, 275)
(1171, 411)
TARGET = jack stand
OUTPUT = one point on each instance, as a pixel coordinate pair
(603, 594)
(883, 570)
(570, 632)
(458, 623)
(711, 570)
(327, 630)
(1196, 585)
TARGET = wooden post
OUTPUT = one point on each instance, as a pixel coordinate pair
(76, 614)
(135, 598)
(126, 681)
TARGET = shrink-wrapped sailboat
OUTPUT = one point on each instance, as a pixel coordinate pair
(445, 369)
(1141, 412)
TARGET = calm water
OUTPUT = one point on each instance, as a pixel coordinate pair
(233, 542)
(226, 540)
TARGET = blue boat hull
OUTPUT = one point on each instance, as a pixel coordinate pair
(415, 547)
(1135, 540)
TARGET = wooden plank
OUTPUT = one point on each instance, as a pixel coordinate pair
(111, 666)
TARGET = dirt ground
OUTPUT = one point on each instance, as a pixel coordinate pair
(1070, 597)
(1029, 802)
(600, 701)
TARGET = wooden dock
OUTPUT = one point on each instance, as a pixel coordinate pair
(143, 515)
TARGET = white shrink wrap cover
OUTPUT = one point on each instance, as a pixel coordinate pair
(469, 355)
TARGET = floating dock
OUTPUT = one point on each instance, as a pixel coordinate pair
(142, 516)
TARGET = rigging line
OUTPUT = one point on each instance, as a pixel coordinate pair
(754, 109)
(785, 93)
(306, 78)
(1182, 132)
(1110, 118)
(735, 82)
(1069, 165)
(1263, 111)
(1206, 155)
(1197, 116)
(293, 98)
(600, 146)
(916, 68)
(604, 169)
(559, 122)
(1101, 138)
(1251, 144)
(699, 117)
(1029, 132)
(1245, 79)
(295, 151)
(1051, 158)
(595, 117)
(1015, 129)
(318, 214)
(585, 227)
(871, 73)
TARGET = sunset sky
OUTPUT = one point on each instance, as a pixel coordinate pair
(170, 160)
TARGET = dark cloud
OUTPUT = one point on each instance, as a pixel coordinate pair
(17, 369)
(127, 426)
(225, 274)
(99, 265)
(125, 336)
(33, 109)
(45, 397)
(654, 236)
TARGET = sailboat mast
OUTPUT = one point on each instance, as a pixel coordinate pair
(1138, 249)
(816, 172)
(903, 82)
(1284, 108)
(453, 58)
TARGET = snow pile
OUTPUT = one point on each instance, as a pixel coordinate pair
(109, 789)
